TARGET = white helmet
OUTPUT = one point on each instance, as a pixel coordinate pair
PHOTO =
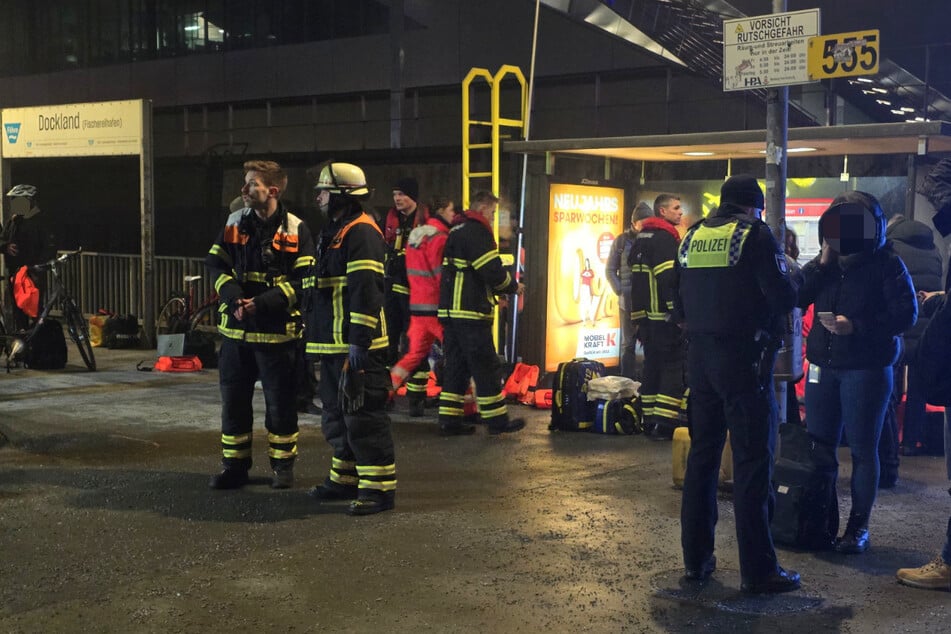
(18, 191)
(343, 178)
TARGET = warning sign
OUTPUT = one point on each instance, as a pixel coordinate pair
(769, 50)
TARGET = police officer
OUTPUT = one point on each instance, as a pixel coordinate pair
(346, 329)
(259, 262)
(734, 289)
(472, 275)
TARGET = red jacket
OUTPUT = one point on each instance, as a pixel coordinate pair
(424, 265)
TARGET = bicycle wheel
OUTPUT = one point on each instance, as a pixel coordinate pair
(205, 319)
(171, 319)
(79, 332)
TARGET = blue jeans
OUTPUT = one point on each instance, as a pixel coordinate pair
(854, 400)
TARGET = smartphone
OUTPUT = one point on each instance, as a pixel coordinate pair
(824, 316)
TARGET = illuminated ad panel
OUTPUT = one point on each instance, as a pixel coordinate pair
(582, 308)
(80, 129)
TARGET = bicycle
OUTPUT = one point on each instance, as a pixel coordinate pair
(179, 315)
(59, 297)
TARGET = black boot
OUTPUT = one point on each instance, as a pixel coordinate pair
(373, 503)
(855, 538)
(417, 406)
(229, 479)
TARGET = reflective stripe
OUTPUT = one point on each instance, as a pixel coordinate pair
(445, 410)
(337, 463)
(236, 453)
(235, 440)
(427, 307)
(401, 289)
(384, 485)
(365, 265)
(281, 454)
(376, 470)
(364, 320)
(419, 273)
(451, 397)
(305, 260)
(344, 479)
(485, 258)
(282, 440)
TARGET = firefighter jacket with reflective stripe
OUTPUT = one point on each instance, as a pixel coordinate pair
(472, 272)
(347, 305)
(652, 270)
(732, 277)
(424, 265)
(266, 260)
(396, 229)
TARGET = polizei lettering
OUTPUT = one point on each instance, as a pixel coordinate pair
(709, 246)
(59, 121)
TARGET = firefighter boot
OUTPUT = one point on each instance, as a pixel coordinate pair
(232, 478)
(283, 473)
(373, 502)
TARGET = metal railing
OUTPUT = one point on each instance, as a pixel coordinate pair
(113, 281)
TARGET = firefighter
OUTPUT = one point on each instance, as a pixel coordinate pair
(347, 330)
(652, 301)
(259, 262)
(472, 275)
(734, 291)
(405, 215)
(423, 269)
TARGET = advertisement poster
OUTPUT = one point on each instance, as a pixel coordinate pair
(582, 308)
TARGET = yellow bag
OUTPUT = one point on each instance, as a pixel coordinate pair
(96, 322)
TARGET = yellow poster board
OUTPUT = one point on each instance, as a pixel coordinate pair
(582, 308)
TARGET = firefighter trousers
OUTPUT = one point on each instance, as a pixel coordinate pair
(470, 352)
(362, 442)
(662, 388)
(239, 367)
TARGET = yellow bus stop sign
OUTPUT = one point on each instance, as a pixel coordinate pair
(843, 54)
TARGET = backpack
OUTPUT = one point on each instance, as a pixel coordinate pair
(571, 410)
(120, 331)
(806, 513)
(934, 357)
(46, 347)
(617, 416)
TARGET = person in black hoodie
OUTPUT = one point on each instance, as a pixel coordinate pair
(864, 300)
(913, 241)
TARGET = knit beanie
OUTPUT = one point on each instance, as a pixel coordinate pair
(742, 190)
(408, 186)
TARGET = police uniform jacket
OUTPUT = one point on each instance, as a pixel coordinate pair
(267, 260)
(732, 276)
(347, 292)
(651, 261)
(472, 272)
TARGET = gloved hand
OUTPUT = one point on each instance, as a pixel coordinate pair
(350, 390)
(358, 357)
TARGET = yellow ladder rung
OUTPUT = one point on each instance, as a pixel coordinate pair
(474, 122)
(480, 146)
(478, 174)
(518, 123)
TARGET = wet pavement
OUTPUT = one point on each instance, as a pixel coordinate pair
(107, 525)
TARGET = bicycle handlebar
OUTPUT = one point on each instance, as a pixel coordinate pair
(58, 259)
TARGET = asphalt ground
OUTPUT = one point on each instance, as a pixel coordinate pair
(107, 525)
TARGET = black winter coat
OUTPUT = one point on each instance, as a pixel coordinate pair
(875, 292)
(913, 241)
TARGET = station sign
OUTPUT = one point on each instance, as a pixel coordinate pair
(844, 54)
(107, 128)
(767, 51)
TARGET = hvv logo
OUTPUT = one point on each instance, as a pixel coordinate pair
(13, 131)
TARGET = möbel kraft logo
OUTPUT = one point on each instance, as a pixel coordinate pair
(13, 131)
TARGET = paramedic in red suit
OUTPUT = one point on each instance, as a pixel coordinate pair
(423, 270)
(259, 262)
(405, 215)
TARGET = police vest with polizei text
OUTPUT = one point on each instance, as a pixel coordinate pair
(706, 247)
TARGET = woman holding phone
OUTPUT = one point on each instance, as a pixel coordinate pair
(863, 300)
